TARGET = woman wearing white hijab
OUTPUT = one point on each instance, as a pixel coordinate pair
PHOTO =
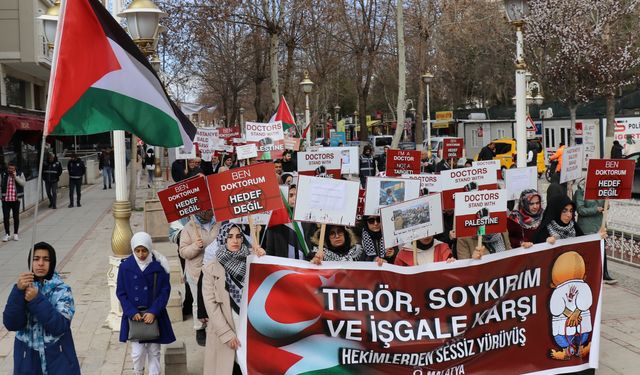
(135, 290)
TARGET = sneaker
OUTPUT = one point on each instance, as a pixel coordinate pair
(15, 237)
(104, 188)
(5, 238)
(79, 205)
(70, 205)
(610, 280)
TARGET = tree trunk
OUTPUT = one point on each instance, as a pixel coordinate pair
(421, 111)
(611, 124)
(573, 107)
(402, 76)
(291, 47)
(273, 66)
(363, 135)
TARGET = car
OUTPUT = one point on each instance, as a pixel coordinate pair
(635, 191)
(506, 152)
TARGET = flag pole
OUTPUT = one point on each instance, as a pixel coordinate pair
(47, 115)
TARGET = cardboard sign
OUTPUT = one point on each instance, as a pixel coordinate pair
(481, 212)
(452, 148)
(350, 158)
(185, 198)
(207, 140)
(400, 162)
(181, 153)
(325, 162)
(609, 179)
(383, 191)
(246, 151)
(571, 164)
(431, 182)
(458, 180)
(292, 143)
(411, 220)
(326, 201)
(244, 191)
(268, 138)
(519, 179)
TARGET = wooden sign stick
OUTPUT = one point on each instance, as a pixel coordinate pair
(320, 253)
(605, 213)
(415, 252)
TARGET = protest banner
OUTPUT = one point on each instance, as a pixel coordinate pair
(480, 212)
(207, 140)
(244, 191)
(360, 209)
(571, 164)
(246, 151)
(400, 162)
(531, 310)
(428, 181)
(609, 179)
(350, 158)
(411, 220)
(452, 148)
(324, 162)
(185, 198)
(465, 179)
(383, 191)
(292, 143)
(268, 138)
(326, 201)
(519, 179)
(493, 164)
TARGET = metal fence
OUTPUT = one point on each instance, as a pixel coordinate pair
(623, 247)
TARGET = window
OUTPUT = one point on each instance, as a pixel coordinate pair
(503, 148)
(384, 141)
(500, 133)
(16, 91)
(37, 97)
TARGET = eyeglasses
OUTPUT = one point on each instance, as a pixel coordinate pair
(336, 233)
(373, 220)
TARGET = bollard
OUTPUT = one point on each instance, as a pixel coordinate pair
(175, 358)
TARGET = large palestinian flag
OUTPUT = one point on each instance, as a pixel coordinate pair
(283, 113)
(102, 82)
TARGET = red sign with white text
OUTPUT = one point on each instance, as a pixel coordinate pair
(244, 191)
(609, 179)
(452, 148)
(185, 198)
(401, 162)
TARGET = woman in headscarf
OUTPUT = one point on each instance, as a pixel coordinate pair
(523, 223)
(559, 222)
(372, 242)
(143, 290)
(40, 308)
(222, 287)
(340, 244)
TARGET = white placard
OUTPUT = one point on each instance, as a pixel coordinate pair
(310, 161)
(428, 181)
(411, 220)
(350, 159)
(519, 179)
(480, 208)
(181, 154)
(207, 140)
(247, 151)
(258, 219)
(383, 191)
(572, 161)
(456, 178)
(326, 200)
(268, 138)
(495, 164)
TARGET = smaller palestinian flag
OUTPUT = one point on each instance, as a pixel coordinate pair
(283, 113)
(100, 82)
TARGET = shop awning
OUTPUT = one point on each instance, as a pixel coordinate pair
(11, 123)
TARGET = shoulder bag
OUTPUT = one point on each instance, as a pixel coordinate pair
(141, 331)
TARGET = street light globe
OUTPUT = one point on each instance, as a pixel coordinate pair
(337, 108)
(50, 23)
(306, 83)
(514, 100)
(143, 17)
(538, 100)
(241, 110)
(427, 78)
(517, 10)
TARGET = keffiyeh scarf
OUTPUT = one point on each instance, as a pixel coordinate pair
(373, 245)
(494, 242)
(353, 255)
(561, 232)
(234, 264)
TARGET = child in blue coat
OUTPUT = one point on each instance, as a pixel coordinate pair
(135, 292)
(40, 308)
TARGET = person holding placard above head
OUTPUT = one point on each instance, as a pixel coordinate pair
(222, 288)
(523, 223)
(373, 243)
(339, 244)
(590, 220)
(429, 250)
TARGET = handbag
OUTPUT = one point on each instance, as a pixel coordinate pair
(141, 331)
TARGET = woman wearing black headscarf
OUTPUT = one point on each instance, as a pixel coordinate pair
(340, 244)
(559, 222)
(372, 242)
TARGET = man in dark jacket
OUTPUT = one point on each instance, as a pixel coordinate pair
(381, 160)
(488, 152)
(367, 165)
(51, 171)
(76, 170)
(616, 150)
(289, 164)
(105, 166)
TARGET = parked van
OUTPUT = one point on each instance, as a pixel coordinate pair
(379, 141)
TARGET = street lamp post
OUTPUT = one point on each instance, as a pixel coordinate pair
(426, 79)
(241, 110)
(355, 126)
(517, 11)
(307, 87)
(337, 112)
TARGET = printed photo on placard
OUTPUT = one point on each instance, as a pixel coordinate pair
(411, 220)
(326, 200)
(383, 191)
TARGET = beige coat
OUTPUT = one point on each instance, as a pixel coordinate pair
(218, 356)
(466, 246)
(192, 254)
